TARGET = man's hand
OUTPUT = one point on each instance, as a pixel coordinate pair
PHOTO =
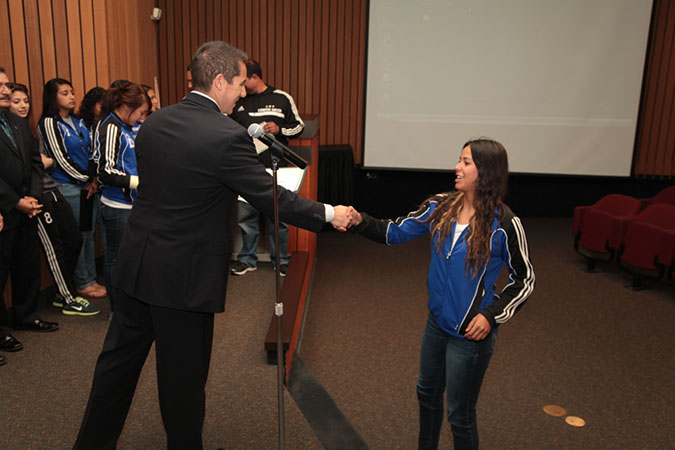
(271, 127)
(478, 328)
(343, 217)
(2, 222)
(91, 187)
(29, 206)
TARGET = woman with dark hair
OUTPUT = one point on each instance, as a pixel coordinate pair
(20, 101)
(114, 142)
(90, 108)
(66, 139)
(473, 236)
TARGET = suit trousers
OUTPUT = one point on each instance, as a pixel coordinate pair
(20, 258)
(183, 351)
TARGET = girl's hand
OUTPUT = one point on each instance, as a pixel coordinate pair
(478, 328)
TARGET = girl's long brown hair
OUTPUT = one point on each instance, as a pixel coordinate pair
(493, 168)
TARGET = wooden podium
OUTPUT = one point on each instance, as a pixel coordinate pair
(302, 247)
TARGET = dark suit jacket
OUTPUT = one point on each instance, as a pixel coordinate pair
(193, 161)
(21, 170)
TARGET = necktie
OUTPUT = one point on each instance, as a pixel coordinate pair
(6, 127)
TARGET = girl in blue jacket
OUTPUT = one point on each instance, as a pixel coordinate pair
(473, 236)
(66, 139)
(115, 157)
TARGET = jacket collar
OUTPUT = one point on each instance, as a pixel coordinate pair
(203, 100)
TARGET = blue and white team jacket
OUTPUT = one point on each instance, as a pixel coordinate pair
(455, 297)
(115, 158)
(70, 147)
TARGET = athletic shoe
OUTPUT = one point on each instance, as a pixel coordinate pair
(283, 269)
(58, 301)
(240, 268)
(80, 307)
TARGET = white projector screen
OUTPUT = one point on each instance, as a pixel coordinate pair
(558, 82)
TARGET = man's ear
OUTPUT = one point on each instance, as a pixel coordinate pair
(219, 82)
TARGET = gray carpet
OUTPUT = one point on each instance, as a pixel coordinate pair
(44, 388)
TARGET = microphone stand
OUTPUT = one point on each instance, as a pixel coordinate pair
(278, 306)
(277, 153)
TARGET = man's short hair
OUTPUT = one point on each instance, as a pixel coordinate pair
(253, 68)
(214, 58)
(2, 70)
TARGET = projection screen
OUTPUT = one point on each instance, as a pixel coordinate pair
(557, 82)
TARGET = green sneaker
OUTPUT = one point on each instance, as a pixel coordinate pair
(80, 307)
(58, 301)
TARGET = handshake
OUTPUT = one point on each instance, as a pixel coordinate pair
(345, 217)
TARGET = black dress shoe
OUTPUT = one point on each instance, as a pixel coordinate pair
(3, 361)
(37, 325)
(10, 344)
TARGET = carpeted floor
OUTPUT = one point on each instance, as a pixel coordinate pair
(44, 388)
(583, 342)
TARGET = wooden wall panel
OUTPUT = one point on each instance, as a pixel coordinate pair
(75, 48)
(655, 149)
(88, 42)
(47, 39)
(35, 69)
(18, 36)
(308, 48)
(5, 40)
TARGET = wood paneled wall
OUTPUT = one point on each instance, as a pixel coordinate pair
(89, 42)
(655, 150)
(312, 49)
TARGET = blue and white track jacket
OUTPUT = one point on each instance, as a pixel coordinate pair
(70, 147)
(115, 157)
(455, 297)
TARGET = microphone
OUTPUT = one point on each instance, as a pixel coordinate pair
(277, 148)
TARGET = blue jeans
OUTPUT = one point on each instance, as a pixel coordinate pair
(458, 364)
(114, 221)
(85, 269)
(249, 219)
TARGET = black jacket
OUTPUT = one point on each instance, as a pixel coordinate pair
(21, 170)
(193, 162)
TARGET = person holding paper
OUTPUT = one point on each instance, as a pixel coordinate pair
(276, 112)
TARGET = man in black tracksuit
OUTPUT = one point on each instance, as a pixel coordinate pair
(276, 112)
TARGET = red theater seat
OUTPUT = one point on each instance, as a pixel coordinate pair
(649, 244)
(665, 196)
(599, 229)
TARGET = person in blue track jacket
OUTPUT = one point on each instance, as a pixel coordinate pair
(473, 236)
(115, 158)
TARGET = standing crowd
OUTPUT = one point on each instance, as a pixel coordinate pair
(56, 183)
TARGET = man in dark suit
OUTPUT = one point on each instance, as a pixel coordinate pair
(21, 173)
(172, 265)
